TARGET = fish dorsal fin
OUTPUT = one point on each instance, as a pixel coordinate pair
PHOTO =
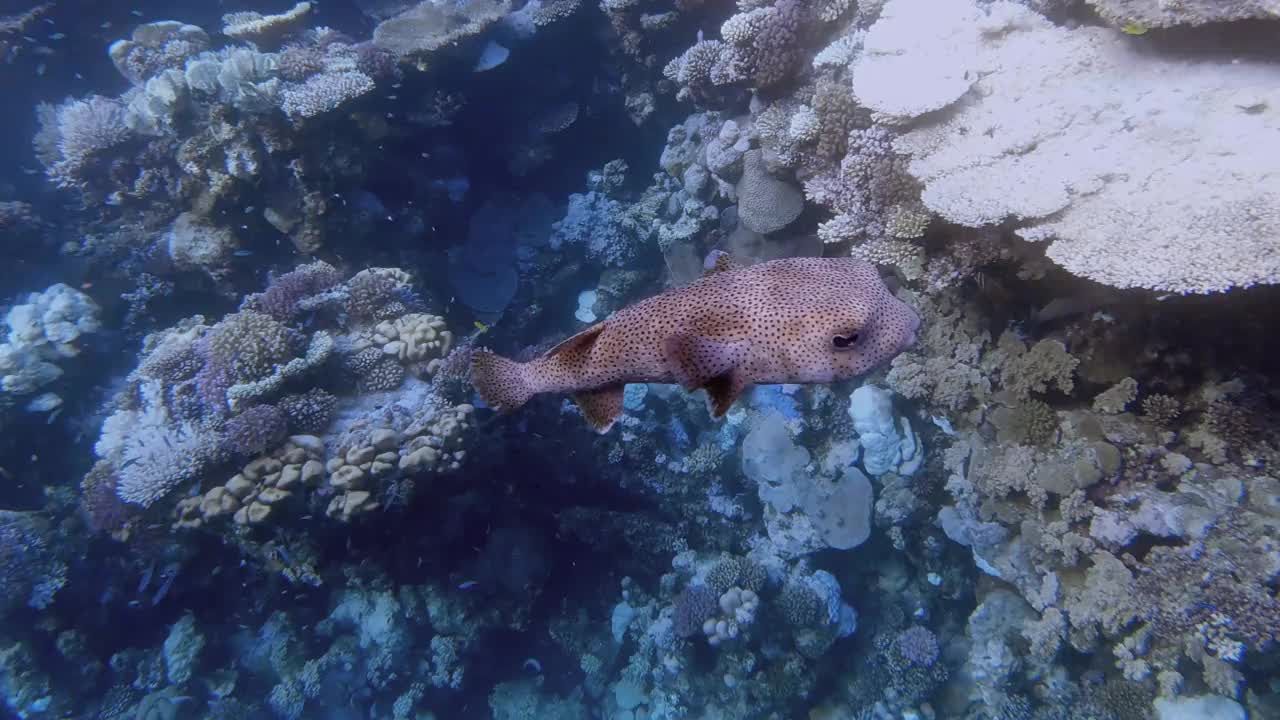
(601, 407)
(693, 360)
(718, 261)
(583, 339)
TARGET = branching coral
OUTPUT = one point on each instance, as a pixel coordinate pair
(77, 133)
(243, 347)
(308, 412)
(257, 429)
(765, 44)
(153, 452)
(294, 291)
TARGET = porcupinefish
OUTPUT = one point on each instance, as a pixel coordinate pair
(796, 320)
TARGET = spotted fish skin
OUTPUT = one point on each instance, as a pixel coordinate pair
(797, 320)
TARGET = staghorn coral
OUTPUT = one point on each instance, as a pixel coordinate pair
(699, 70)
(874, 201)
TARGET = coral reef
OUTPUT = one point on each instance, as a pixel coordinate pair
(273, 247)
(203, 392)
(46, 329)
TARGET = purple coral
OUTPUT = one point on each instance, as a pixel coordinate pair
(256, 430)
(283, 299)
(212, 383)
(692, 608)
(103, 509)
(918, 646)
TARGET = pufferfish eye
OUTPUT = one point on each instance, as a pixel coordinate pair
(844, 342)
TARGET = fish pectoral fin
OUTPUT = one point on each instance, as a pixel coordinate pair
(718, 261)
(601, 407)
(723, 391)
(694, 360)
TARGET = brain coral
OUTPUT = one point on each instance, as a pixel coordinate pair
(765, 203)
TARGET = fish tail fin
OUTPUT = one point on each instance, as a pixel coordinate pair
(504, 384)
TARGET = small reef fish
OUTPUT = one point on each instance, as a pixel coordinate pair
(796, 320)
